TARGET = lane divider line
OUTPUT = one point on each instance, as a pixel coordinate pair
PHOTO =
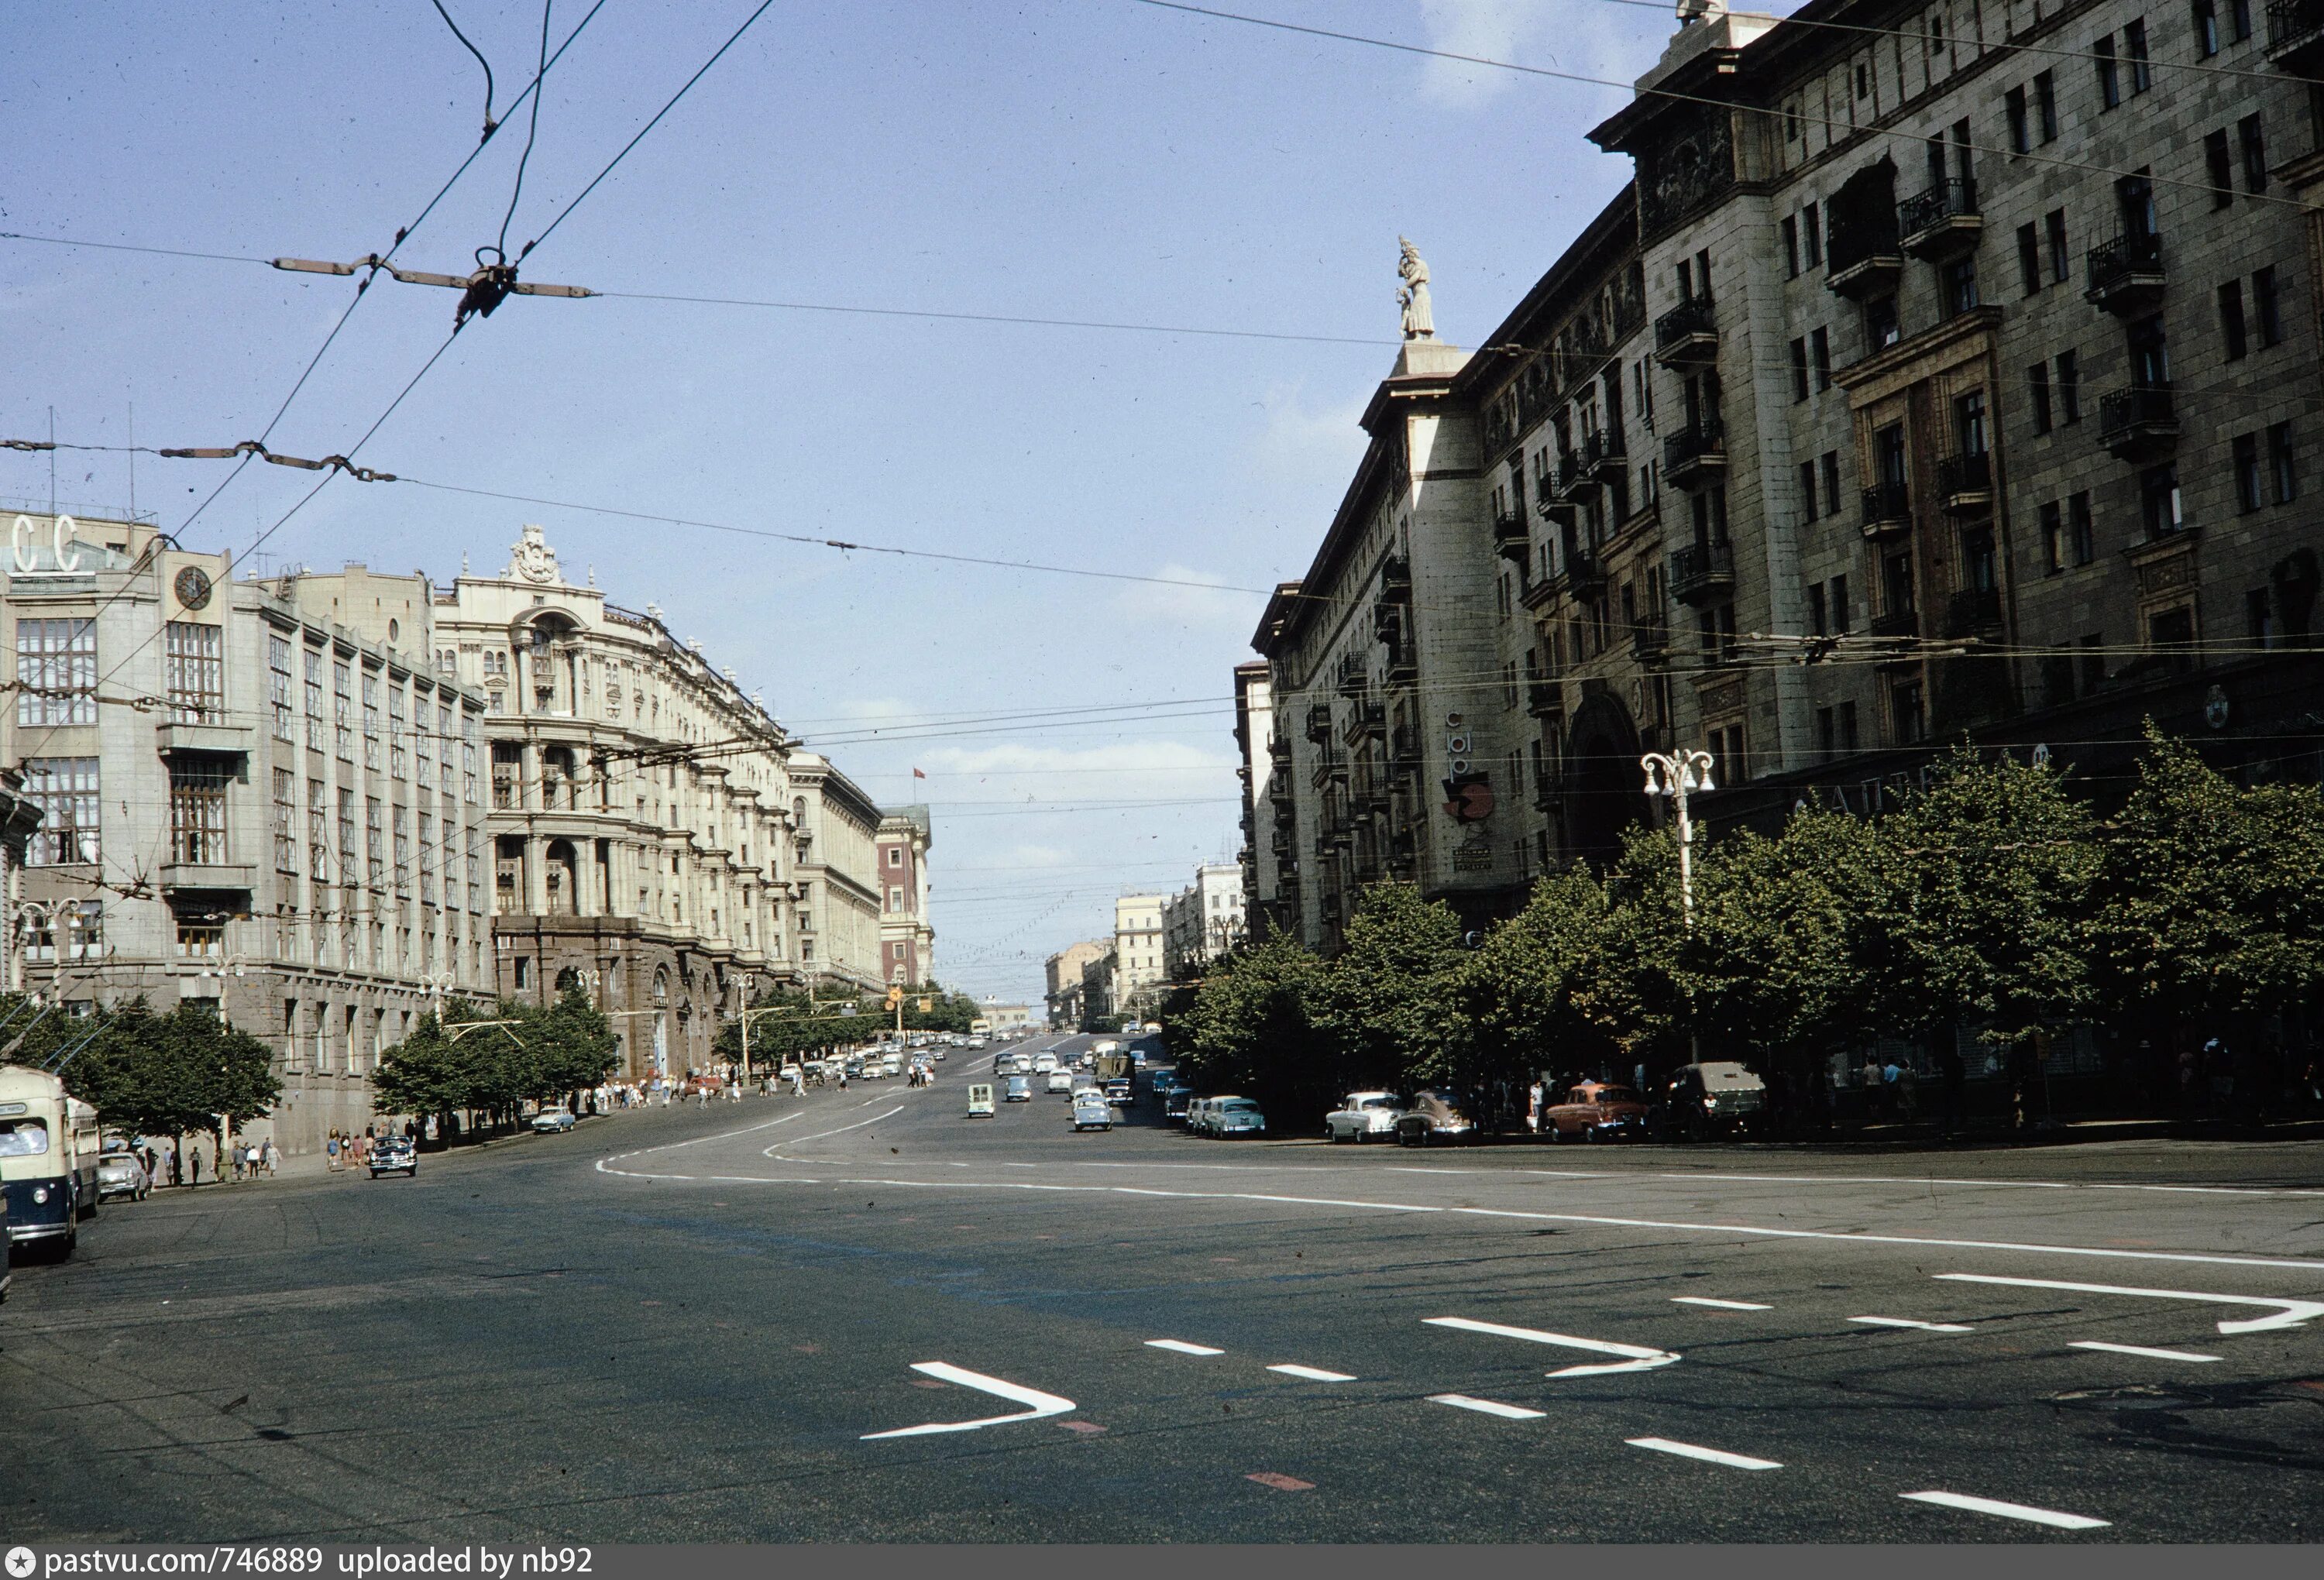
(2288, 1313)
(1708, 1456)
(2140, 1349)
(1491, 1406)
(1181, 1346)
(2050, 1517)
(1915, 1323)
(1043, 1404)
(818, 1135)
(1719, 1305)
(1641, 1358)
(1312, 1374)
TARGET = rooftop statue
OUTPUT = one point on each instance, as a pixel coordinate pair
(1419, 319)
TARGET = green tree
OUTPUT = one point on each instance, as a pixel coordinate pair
(1250, 1028)
(1384, 1003)
(1529, 999)
(572, 1047)
(427, 1072)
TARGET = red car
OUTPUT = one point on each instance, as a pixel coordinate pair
(1596, 1111)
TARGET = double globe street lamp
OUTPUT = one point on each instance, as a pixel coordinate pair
(1679, 775)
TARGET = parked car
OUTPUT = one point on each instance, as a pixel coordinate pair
(396, 1155)
(1435, 1114)
(1596, 1111)
(552, 1121)
(1176, 1106)
(1716, 1098)
(1361, 1115)
(119, 1173)
(1091, 1113)
(1061, 1080)
(1235, 1116)
(1020, 1090)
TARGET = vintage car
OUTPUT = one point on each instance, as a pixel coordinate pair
(1435, 1114)
(1715, 1098)
(1596, 1111)
(1362, 1115)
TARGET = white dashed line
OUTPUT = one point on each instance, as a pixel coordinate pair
(1514, 1412)
(1719, 1305)
(1710, 1456)
(2135, 1349)
(1181, 1346)
(1313, 1373)
(2008, 1510)
(1911, 1322)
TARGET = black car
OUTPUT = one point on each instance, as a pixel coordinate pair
(1118, 1092)
(394, 1154)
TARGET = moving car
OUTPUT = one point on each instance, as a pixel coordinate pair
(1435, 1114)
(1044, 1062)
(1090, 1112)
(552, 1121)
(1361, 1115)
(1020, 1089)
(119, 1173)
(1713, 1098)
(1061, 1080)
(1596, 1111)
(979, 1102)
(1234, 1116)
(1118, 1090)
(396, 1155)
(1174, 1106)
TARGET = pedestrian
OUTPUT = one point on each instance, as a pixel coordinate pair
(234, 1160)
(273, 1156)
(331, 1153)
(194, 1162)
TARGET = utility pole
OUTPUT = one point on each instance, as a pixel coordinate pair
(1677, 774)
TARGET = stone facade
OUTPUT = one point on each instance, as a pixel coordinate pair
(250, 798)
(907, 941)
(1202, 921)
(1136, 952)
(836, 831)
(1064, 970)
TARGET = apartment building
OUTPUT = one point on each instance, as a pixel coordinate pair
(906, 938)
(1202, 921)
(1264, 804)
(1943, 370)
(1064, 979)
(835, 832)
(247, 800)
(1136, 952)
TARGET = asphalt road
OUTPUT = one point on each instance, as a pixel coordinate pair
(695, 1324)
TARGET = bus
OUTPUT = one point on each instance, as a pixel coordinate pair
(48, 1146)
(979, 1027)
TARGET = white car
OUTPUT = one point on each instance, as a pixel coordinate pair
(1362, 1115)
(550, 1120)
(1044, 1062)
(1061, 1080)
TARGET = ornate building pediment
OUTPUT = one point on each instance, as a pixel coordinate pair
(531, 559)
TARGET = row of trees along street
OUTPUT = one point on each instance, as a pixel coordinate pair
(177, 1074)
(1995, 907)
(787, 1026)
(476, 1066)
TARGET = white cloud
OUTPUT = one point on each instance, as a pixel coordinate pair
(1494, 30)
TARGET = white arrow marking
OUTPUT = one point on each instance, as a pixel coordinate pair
(1710, 1455)
(1511, 1412)
(1641, 1359)
(1913, 1322)
(2138, 1349)
(2288, 1313)
(1719, 1305)
(1313, 1373)
(2007, 1510)
(1043, 1404)
(1181, 1346)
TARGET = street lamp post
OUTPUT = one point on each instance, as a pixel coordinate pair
(1678, 775)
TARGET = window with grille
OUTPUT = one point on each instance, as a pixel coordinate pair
(343, 711)
(286, 818)
(395, 759)
(371, 722)
(56, 672)
(278, 685)
(375, 843)
(314, 699)
(318, 838)
(193, 658)
(65, 789)
(198, 809)
(402, 852)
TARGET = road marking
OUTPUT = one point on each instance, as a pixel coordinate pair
(1183, 1348)
(2288, 1313)
(2135, 1349)
(1280, 1481)
(818, 1135)
(1043, 1404)
(1719, 1305)
(697, 1141)
(1514, 1412)
(2008, 1510)
(1641, 1358)
(1710, 1456)
(1313, 1373)
(1911, 1322)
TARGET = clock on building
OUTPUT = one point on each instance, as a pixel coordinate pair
(193, 587)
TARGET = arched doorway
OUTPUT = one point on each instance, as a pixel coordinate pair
(1604, 785)
(564, 877)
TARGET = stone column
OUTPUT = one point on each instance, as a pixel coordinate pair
(536, 873)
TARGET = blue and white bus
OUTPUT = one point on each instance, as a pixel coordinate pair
(48, 1146)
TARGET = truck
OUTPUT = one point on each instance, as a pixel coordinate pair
(1112, 1064)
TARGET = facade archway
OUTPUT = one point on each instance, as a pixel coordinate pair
(1604, 787)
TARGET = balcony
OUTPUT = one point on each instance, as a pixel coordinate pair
(1367, 718)
(1688, 334)
(1888, 510)
(1396, 577)
(1354, 678)
(1897, 622)
(1403, 663)
(1970, 613)
(1404, 747)
(1865, 258)
(1941, 224)
(1512, 539)
(2125, 275)
(1568, 476)
(212, 737)
(1582, 574)
(1602, 457)
(2295, 34)
(212, 875)
(2139, 422)
(1650, 644)
(1319, 722)
(1545, 697)
(1699, 451)
(1703, 569)
(1965, 483)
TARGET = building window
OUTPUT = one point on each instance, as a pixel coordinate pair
(375, 843)
(198, 810)
(2172, 632)
(2259, 618)
(2082, 530)
(1815, 608)
(1799, 371)
(2054, 537)
(2206, 28)
(1812, 232)
(56, 672)
(1807, 490)
(2029, 260)
(1907, 722)
(2134, 46)
(343, 711)
(2045, 105)
(1791, 229)
(1820, 353)
(2280, 466)
(2068, 368)
(2246, 451)
(397, 765)
(2061, 259)
(1836, 605)
(65, 789)
(285, 820)
(2222, 168)
(1959, 279)
(2231, 319)
(201, 935)
(2037, 389)
(2021, 136)
(2102, 56)
(2266, 308)
(2255, 149)
(2160, 506)
(1881, 328)
(313, 696)
(1831, 483)
(195, 669)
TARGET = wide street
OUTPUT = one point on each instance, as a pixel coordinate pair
(866, 1316)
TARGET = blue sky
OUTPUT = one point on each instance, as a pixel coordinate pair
(1080, 159)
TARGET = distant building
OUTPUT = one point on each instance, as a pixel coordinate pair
(1064, 970)
(837, 828)
(1270, 866)
(907, 941)
(1138, 952)
(1008, 1017)
(1202, 921)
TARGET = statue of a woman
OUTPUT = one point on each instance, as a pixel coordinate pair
(1419, 319)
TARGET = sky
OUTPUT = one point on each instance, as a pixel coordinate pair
(1088, 160)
